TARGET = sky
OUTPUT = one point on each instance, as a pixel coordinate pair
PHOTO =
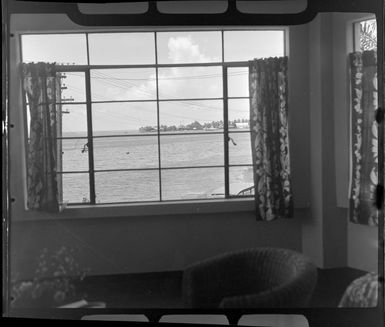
(140, 83)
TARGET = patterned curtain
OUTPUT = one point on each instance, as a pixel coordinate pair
(269, 138)
(42, 86)
(364, 150)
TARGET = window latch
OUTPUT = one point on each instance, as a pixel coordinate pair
(85, 148)
(232, 141)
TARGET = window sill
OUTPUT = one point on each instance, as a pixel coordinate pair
(167, 208)
(148, 209)
(217, 206)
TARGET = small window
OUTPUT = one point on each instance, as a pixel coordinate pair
(123, 84)
(247, 45)
(124, 117)
(238, 82)
(135, 152)
(121, 48)
(365, 35)
(190, 82)
(192, 47)
(57, 48)
(73, 120)
(189, 115)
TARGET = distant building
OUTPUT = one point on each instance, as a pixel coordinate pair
(242, 125)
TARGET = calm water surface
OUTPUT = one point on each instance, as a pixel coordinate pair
(141, 152)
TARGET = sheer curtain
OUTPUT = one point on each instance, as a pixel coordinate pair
(364, 148)
(42, 86)
(269, 138)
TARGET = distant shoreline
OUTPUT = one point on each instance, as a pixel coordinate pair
(197, 126)
(83, 134)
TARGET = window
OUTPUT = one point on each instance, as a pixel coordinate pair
(365, 35)
(154, 116)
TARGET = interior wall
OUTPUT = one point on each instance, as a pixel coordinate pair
(363, 247)
(333, 220)
(362, 241)
(312, 228)
(324, 234)
(148, 244)
(329, 236)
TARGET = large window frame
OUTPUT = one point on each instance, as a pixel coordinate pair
(89, 138)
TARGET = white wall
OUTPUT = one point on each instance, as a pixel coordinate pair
(113, 245)
(328, 236)
(324, 234)
(362, 240)
(363, 247)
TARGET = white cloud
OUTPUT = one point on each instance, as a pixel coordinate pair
(183, 49)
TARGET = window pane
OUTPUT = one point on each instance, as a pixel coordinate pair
(121, 118)
(76, 188)
(59, 48)
(121, 48)
(74, 154)
(191, 115)
(74, 120)
(368, 35)
(126, 152)
(190, 82)
(127, 186)
(73, 87)
(189, 47)
(247, 45)
(191, 150)
(241, 181)
(238, 82)
(240, 149)
(123, 84)
(191, 183)
(239, 114)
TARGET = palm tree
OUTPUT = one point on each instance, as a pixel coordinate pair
(368, 35)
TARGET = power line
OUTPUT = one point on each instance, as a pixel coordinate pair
(188, 103)
(124, 85)
(110, 114)
(165, 78)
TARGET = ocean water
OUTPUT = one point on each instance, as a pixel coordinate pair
(146, 183)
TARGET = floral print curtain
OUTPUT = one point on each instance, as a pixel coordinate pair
(364, 149)
(42, 87)
(269, 138)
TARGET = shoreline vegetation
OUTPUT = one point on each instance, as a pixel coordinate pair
(194, 126)
(236, 123)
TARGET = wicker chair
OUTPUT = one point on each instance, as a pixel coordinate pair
(251, 278)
